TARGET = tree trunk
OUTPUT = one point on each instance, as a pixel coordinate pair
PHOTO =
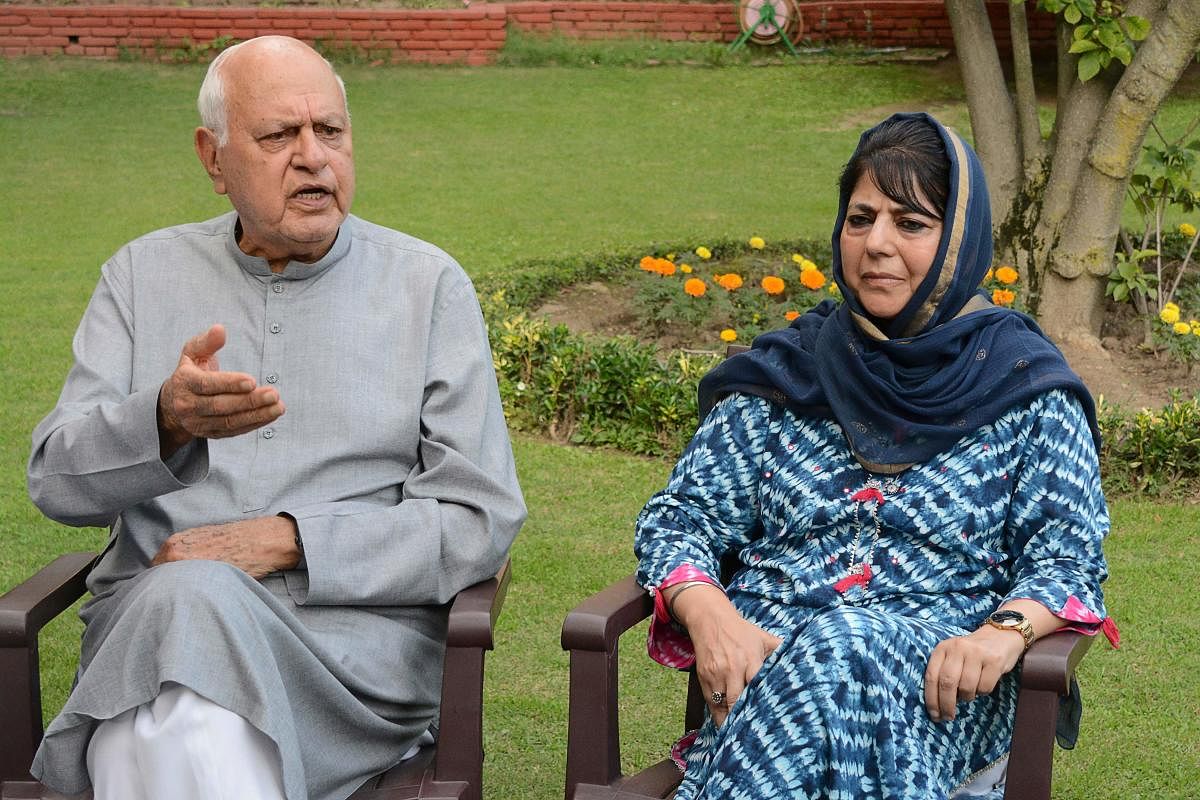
(1083, 257)
(1072, 310)
(993, 118)
(1027, 104)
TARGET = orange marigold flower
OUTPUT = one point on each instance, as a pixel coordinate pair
(790, 315)
(729, 335)
(1003, 297)
(649, 263)
(729, 281)
(812, 278)
(772, 284)
(665, 267)
(695, 287)
(1007, 275)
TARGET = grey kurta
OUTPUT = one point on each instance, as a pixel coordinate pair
(393, 457)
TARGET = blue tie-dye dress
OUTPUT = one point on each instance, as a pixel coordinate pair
(1013, 510)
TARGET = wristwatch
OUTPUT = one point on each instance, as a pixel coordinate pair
(1012, 621)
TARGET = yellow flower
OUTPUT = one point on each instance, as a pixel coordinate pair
(757, 243)
(670, 256)
(772, 284)
(790, 315)
(799, 259)
(1195, 326)
(729, 281)
(704, 253)
(695, 287)
(834, 290)
(812, 279)
(1187, 229)
(1003, 297)
(686, 269)
(1169, 314)
(989, 275)
(1182, 328)
(1007, 275)
(729, 335)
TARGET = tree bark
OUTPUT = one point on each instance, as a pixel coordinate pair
(1079, 265)
(993, 118)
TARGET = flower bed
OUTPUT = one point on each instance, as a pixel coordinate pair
(626, 393)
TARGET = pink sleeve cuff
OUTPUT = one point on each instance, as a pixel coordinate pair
(667, 643)
(1081, 618)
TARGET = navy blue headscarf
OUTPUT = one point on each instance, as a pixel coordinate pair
(905, 389)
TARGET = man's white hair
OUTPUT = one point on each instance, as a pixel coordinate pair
(214, 113)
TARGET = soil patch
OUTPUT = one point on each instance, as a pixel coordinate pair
(1120, 370)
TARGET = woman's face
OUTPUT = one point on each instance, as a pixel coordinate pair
(886, 249)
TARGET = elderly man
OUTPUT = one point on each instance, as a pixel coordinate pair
(268, 617)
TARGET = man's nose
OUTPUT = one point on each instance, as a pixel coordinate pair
(309, 152)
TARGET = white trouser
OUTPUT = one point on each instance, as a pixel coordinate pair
(180, 746)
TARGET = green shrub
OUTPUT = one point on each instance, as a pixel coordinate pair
(1154, 453)
(612, 392)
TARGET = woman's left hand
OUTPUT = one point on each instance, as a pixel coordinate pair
(963, 667)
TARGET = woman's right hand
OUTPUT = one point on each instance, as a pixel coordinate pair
(729, 650)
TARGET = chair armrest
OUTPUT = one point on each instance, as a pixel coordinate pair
(1051, 661)
(597, 623)
(469, 635)
(26, 608)
(474, 612)
(24, 611)
(591, 633)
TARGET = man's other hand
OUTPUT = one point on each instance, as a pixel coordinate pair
(256, 546)
(199, 401)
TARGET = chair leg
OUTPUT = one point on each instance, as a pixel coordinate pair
(461, 757)
(1031, 759)
(20, 723)
(594, 737)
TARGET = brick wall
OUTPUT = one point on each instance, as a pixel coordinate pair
(468, 35)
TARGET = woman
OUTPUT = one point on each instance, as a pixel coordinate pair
(909, 483)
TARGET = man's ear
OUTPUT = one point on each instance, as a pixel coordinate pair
(206, 149)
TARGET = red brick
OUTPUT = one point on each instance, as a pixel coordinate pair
(428, 35)
(13, 19)
(407, 25)
(368, 25)
(411, 44)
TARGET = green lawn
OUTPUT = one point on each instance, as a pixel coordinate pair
(500, 164)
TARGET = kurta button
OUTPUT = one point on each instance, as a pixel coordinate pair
(275, 327)
(272, 378)
(268, 433)
(277, 287)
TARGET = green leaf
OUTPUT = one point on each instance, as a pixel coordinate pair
(1072, 15)
(1083, 46)
(1138, 28)
(1089, 66)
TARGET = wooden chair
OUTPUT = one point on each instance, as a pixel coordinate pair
(452, 769)
(591, 632)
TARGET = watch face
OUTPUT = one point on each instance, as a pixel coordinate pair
(1009, 619)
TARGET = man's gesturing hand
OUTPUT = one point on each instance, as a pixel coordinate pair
(199, 401)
